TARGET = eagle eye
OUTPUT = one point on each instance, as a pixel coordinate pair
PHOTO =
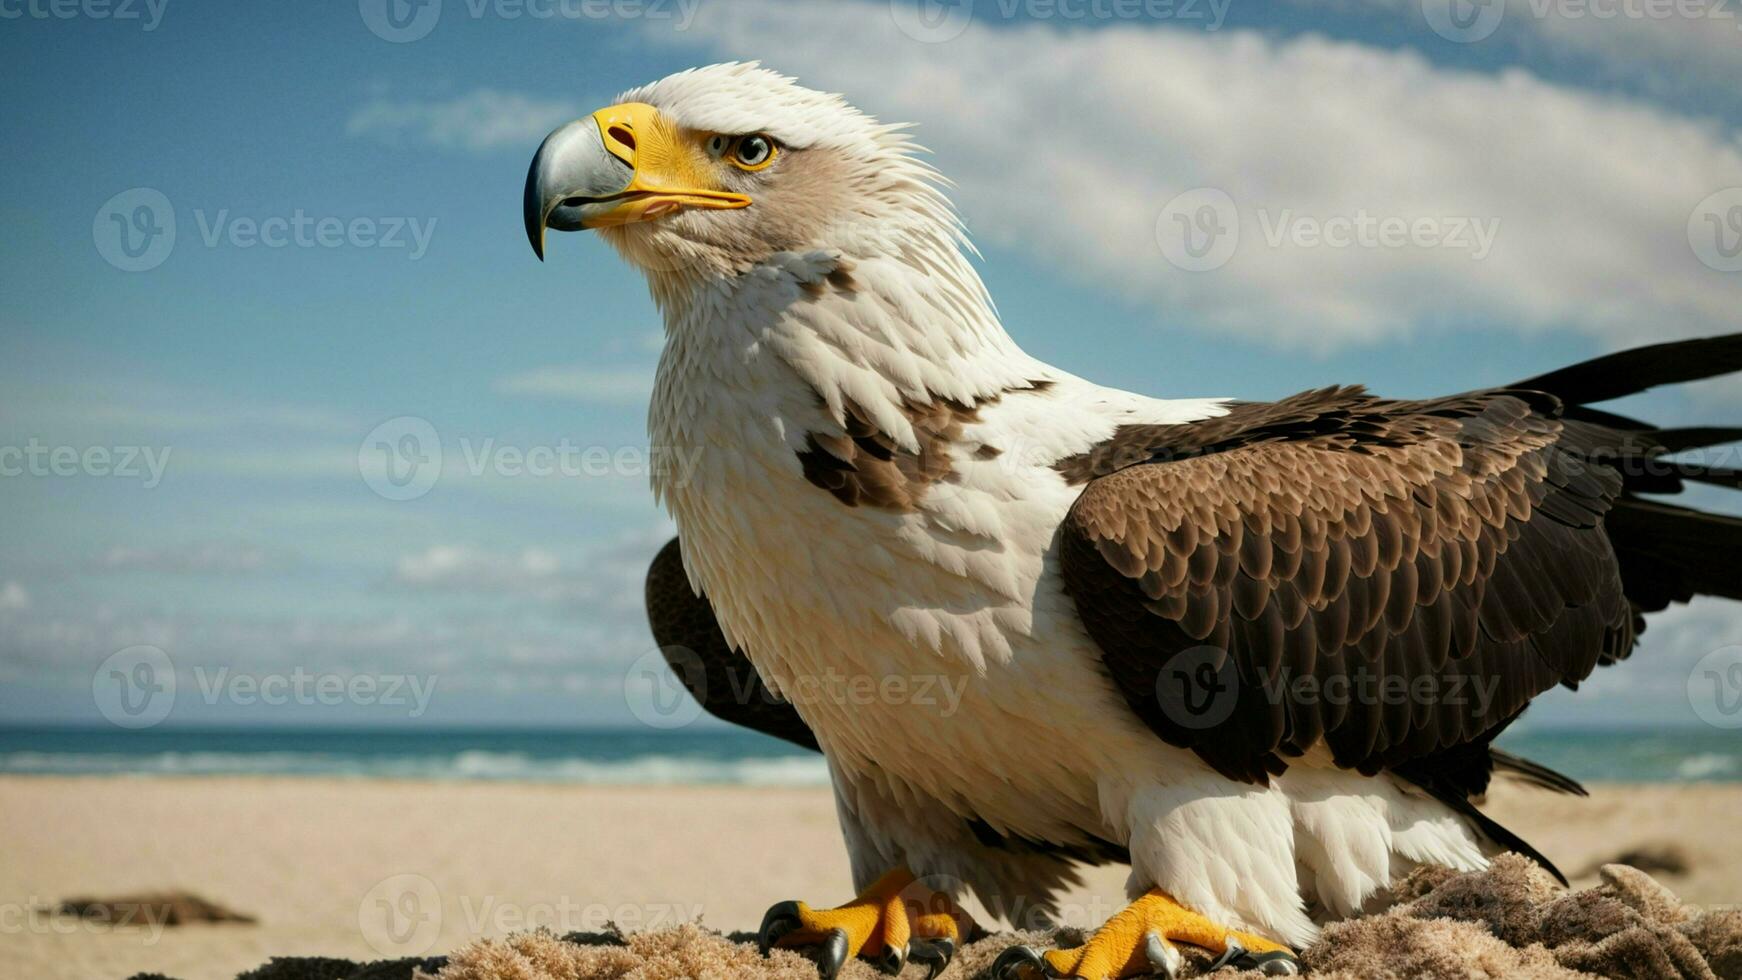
(753, 152)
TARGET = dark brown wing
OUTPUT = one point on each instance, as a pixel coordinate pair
(1389, 579)
(719, 677)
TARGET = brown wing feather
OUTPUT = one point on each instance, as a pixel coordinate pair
(1390, 579)
(721, 678)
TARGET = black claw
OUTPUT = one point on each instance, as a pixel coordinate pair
(1231, 954)
(892, 961)
(832, 954)
(1020, 963)
(1276, 963)
(781, 918)
(936, 954)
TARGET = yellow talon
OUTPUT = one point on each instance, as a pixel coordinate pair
(1139, 941)
(895, 918)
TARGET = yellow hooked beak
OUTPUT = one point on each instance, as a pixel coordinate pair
(623, 164)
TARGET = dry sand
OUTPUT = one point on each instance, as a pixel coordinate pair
(362, 870)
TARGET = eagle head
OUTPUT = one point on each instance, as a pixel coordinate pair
(710, 171)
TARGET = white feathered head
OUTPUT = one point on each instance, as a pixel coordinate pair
(710, 171)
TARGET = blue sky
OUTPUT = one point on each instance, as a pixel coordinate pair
(1596, 148)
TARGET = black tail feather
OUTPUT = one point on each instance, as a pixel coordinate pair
(1492, 830)
(1718, 476)
(1535, 773)
(1629, 372)
(1457, 797)
(1695, 437)
(1671, 554)
(1667, 553)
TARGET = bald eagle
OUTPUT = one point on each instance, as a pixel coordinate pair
(1259, 651)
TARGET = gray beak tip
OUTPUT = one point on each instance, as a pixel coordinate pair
(532, 210)
(572, 163)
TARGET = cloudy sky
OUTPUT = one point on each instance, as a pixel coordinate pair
(282, 387)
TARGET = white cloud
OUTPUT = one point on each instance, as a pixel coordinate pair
(1068, 143)
(453, 566)
(602, 583)
(13, 596)
(131, 408)
(479, 620)
(483, 119)
(199, 559)
(580, 383)
(1658, 682)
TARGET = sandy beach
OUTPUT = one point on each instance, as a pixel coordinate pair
(322, 862)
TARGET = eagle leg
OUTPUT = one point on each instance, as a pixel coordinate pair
(896, 920)
(1140, 941)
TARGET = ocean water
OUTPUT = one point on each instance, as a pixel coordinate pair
(692, 756)
(629, 756)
